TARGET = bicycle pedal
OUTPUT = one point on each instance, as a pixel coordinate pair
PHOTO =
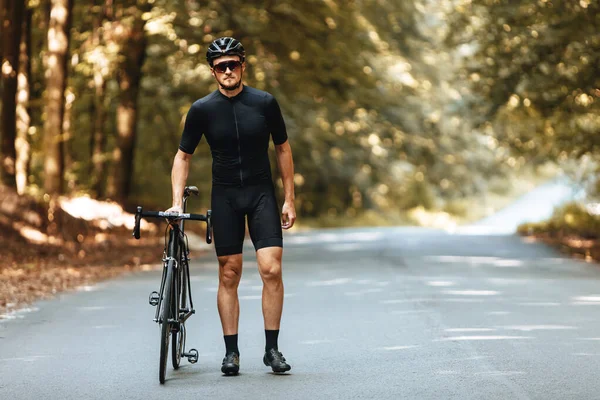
(192, 356)
(153, 299)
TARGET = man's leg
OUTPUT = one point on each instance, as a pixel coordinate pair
(264, 224)
(269, 267)
(230, 273)
(228, 231)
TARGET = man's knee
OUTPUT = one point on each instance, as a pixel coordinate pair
(230, 270)
(271, 273)
(269, 264)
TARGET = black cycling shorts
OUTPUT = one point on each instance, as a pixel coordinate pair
(232, 204)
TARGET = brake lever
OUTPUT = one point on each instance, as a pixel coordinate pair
(209, 226)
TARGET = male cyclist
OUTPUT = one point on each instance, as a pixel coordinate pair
(238, 121)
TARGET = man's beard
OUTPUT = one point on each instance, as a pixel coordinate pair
(230, 88)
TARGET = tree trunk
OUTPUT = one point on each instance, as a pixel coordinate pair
(133, 50)
(67, 137)
(98, 140)
(11, 38)
(2, 10)
(22, 146)
(99, 110)
(56, 73)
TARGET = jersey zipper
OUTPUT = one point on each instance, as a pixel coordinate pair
(239, 148)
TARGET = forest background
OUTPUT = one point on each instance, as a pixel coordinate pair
(399, 112)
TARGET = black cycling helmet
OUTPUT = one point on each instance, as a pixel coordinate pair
(225, 46)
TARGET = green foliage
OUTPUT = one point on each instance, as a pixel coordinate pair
(327, 84)
(378, 120)
(571, 219)
(534, 73)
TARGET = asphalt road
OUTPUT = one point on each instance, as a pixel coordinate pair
(401, 313)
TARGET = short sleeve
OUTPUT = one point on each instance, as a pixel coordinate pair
(192, 130)
(275, 120)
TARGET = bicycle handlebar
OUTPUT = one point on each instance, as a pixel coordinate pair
(173, 216)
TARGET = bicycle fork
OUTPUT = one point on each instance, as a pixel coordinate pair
(155, 298)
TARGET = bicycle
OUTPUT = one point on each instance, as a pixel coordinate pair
(173, 301)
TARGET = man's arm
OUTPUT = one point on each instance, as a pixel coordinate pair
(179, 174)
(192, 132)
(285, 163)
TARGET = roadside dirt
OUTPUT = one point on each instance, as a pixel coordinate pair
(45, 250)
(576, 246)
(27, 279)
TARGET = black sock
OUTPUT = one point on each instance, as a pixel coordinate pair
(271, 339)
(231, 344)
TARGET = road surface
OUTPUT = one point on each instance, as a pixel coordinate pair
(397, 313)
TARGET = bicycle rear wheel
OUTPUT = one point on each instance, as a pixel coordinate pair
(165, 327)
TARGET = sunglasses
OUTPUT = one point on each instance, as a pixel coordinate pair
(222, 67)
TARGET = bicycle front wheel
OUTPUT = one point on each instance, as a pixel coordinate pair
(165, 327)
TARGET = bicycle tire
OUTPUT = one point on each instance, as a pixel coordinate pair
(165, 326)
(178, 337)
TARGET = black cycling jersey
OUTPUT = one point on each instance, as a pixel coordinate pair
(237, 130)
